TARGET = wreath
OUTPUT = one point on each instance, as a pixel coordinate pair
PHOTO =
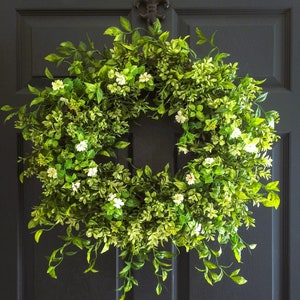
(77, 121)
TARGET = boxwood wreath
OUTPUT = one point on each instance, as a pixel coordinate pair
(103, 204)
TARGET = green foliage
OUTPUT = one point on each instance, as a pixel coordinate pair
(76, 121)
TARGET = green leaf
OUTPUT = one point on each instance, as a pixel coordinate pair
(67, 44)
(31, 224)
(235, 272)
(164, 254)
(180, 185)
(51, 272)
(33, 90)
(125, 24)
(238, 279)
(158, 289)
(272, 200)
(202, 38)
(148, 171)
(36, 101)
(261, 98)
(53, 57)
(237, 254)
(139, 173)
(6, 108)
(38, 234)
(164, 36)
(272, 186)
(105, 248)
(161, 109)
(48, 73)
(122, 144)
(113, 31)
(132, 203)
(209, 264)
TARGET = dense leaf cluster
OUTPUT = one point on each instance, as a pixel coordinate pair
(79, 120)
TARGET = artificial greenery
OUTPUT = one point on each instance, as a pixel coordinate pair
(101, 204)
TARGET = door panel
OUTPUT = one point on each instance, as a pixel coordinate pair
(261, 36)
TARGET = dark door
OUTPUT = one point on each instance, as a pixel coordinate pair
(262, 36)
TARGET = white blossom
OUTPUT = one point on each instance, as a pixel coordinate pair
(198, 228)
(178, 198)
(92, 172)
(75, 186)
(183, 150)
(118, 203)
(235, 133)
(120, 79)
(190, 179)
(145, 77)
(57, 85)
(251, 148)
(82, 146)
(180, 118)
(64, 100)
(209, 160)
(52, 173)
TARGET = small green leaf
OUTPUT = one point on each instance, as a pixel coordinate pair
(180, 185)
(51, 272)
(161, 109)
(6, 108)
(38, 234)
(272, 186)
(261, 98)
(31, 224)
(105, 248)
(272, 200)
(148, 171)
(139, 172)
(33, 90)
(122, 144)
(158, 289)
(125, 24)
(113, 31)
(53, 57)
(238, 279)
(209, 264)
(36, 101)
(235, 273)
(48, 73)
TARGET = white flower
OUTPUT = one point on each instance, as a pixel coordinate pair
(183, 150)
(190, 179)
(64, 100)
(145, 77)
(178, 198)
(197, 229)
(75, 186)
(82, 146)
(251, 148)
(209, 160)
(118, 203)
(52, 173)
(235, 133)
(92, 172)
(57, 85)
(120, 79)
(180, 118)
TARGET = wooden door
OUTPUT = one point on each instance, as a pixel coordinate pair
(262, 36)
